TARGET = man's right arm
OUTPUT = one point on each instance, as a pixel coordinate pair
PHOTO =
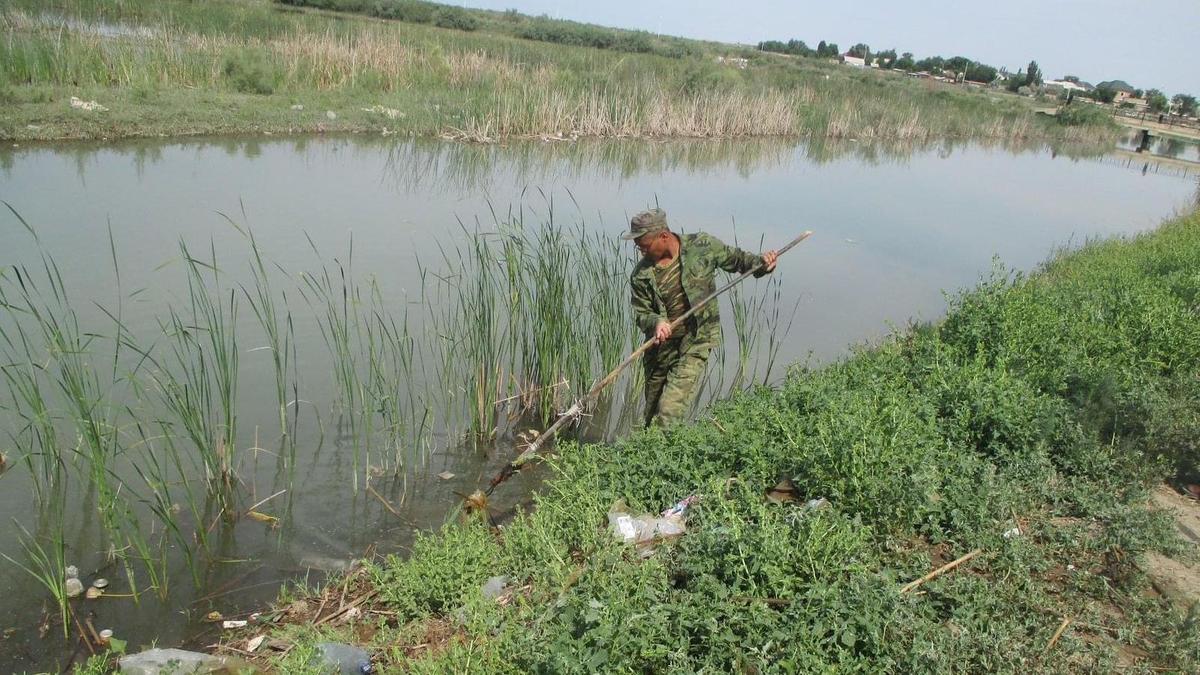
(641, 297)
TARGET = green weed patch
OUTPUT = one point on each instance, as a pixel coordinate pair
(1029, 424)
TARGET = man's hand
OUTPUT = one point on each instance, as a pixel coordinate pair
(662, 332)
(769, 259)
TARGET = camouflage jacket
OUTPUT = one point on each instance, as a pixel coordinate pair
(699, 255)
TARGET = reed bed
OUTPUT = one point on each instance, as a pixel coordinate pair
(512, 324)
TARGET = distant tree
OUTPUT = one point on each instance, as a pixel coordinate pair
(1137, 93)
(1033, 74)
(860, 50)
(981, 72)
(798, 48)
(822, 49)
(1015, 82)
(958, 64)
(905, 62)
(932, 64)
(833, 49)
(1157, 100)
(886, 58)
(795, 47)
(1184, 104)
(1071, 78)
(1104, 94)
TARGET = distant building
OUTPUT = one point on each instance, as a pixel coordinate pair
(856, 61)
(1064, 85)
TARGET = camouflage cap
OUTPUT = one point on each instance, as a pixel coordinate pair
(646, 222)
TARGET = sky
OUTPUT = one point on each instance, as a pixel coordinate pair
(1147, 43)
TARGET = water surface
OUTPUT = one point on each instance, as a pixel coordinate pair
(895, 228)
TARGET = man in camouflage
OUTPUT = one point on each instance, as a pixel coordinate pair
(675, 271)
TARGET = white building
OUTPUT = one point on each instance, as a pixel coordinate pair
(1065, 85)
(855, 61)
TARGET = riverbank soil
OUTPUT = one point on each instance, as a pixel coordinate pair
(1177, 578)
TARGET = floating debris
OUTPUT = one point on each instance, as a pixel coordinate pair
(73, 587)
(263, 518)
(445, 475)
(94, 593)
(100, 582)
(105, 635)
(234, 623)
(213, 616)
(255, 643)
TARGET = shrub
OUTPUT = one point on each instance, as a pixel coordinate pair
(251, 71)
(456, 18)
(1081, 115)
(412, 11)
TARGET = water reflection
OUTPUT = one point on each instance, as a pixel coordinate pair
(424, 165)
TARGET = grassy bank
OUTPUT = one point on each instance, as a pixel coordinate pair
(1029, 425)
(252, 66)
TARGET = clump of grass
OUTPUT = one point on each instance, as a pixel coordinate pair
(250, 72)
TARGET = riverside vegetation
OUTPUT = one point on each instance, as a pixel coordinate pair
(253, 66)
(1030, 424)
(147, 430)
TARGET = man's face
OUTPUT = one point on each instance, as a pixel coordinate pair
(653, 246)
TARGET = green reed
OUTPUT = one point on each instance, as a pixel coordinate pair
(515, 321)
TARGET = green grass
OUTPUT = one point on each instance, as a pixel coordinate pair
(1051, 403)
(239, 66)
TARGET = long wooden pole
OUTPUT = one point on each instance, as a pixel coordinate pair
(578, 407)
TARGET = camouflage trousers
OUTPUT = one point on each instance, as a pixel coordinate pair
(673, 371)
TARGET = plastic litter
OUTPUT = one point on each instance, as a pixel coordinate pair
(818, 503)
(343, 659)
(93, 593)
(643, 530)
(73, 587)
(79, 104)
(494, 587)
(179, 661)
(234, 623)
(1015, 532)
(100, 583)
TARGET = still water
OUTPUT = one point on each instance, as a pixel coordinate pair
(895, 229)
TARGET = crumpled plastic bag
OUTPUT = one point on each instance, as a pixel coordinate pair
(644, 530)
